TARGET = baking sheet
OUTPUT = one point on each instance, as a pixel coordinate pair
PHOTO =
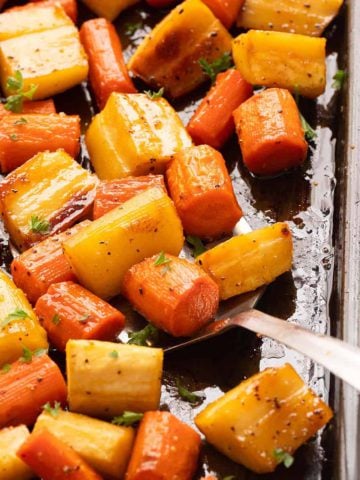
(304, 198)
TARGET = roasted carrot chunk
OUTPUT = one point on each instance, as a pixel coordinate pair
(112, 193)
(213, 123)
(44, 107)
(108, 72)
(226, 11)
(201, 189)
(164, 447)
(270, 133)
(69, 311)
(172, 293)
(44, 264)
(26, 386)
(52, 459)
(70, 6)
(22, 136)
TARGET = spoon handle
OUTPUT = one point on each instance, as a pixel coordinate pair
(340, 358)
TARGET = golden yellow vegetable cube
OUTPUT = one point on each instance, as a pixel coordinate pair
(293, 16)
(54, 60)
(109, 9)
(101, 253)
(246, 262)
(285, 60)
(273, 411)
(134, 135)
(14, 23)
(46, 195)
(169, 56)
(105, 379)
(11, 467)
(103, 446)
(19, 326)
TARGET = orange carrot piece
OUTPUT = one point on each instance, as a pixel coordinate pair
(213, 123)
(164, 447)
(226, 11)
(201, 189)
(174, 294)
(26, 387)
(23, 136)
(44, 264)
(113, 193)
(43, 107)
(70, 6)
(69, 311)
(270, 132)
(52, 459)
(108, 72)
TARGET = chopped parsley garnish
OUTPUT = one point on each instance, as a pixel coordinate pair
(283, 457)
(39, 225)
(130, 28)
(339, 79)
(17, 314)
(144, 337)
(221, 64)
(39, 352)
(14, 137)
(15, 84)
(153, 95)
(54, 411)
(26, 356)
(162, 260)
(197, 244)
(186, 395)
(84, 318)
(114, 354)
(310, 133)
(6, 368)
(21, 121)
(127, 419)
(56, 319)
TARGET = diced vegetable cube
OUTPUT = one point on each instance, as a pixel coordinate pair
(38, 18)
(69, 6)
(225, 10)
(134, 135)
(46, 195)
(105, 447)
(105, 379)
(101, 253)
(11, 467)
(169, 56)
(54, 60)
(285, 60)
(246, 262)
(293, 16)
(19, 326)
(109, 9)
(272, 411)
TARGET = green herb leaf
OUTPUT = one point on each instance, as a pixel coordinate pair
(26, 356)
(15, 84)
(186, 395)
(339, 79)
(6, 368)
(17, 314)
(56, 319)
(127, 419)
(310, 133)
(39, 225)
(283, 457)
(144, 337)
(130, 28)
(39, 352)
(14, 137)
(221, 64)
(21, 121)
(114, 354)
(153, 95)
(162, 260)
(54, 411)
(229, 477)
(84, 318)
(197, 244)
